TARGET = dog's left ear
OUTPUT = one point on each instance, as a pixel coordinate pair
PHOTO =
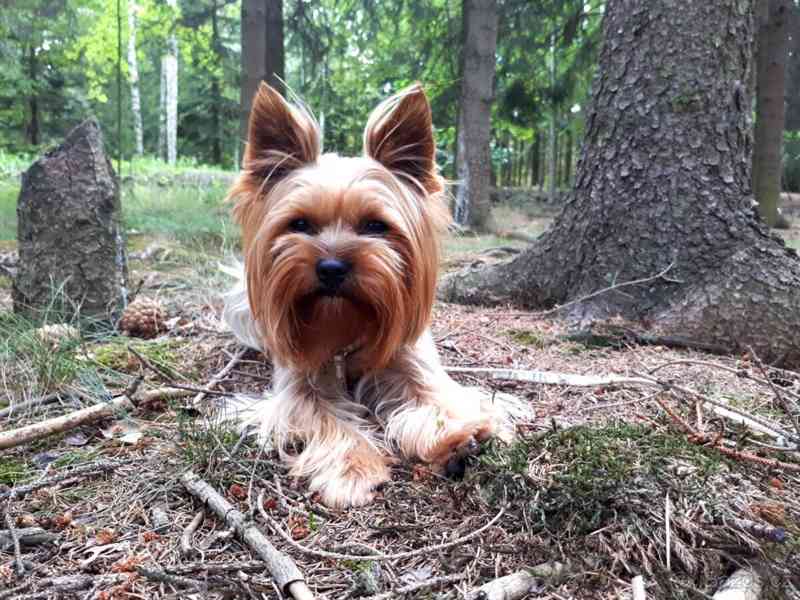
(399, 135)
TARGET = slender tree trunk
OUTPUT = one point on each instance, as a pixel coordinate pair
(793, 71)
(773, 36)
(162, 111)
(216, 89)
(33, 99)
(262, 52)
(171, 80)
(567, 171)
(133, 74)
(473, 205)
(663, 184)
(552, 153)
(535, 152)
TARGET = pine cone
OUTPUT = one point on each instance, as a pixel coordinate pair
(144, 317)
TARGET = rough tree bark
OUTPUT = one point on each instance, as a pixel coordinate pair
(262, 52)
(474, 161)
(71, 250)
(133, 73)
(773, 37)
(663, 181)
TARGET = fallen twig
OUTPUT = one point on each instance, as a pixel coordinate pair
(19, 567)
(19, 407)
(743, 584)
(25, 536)
(186, 547)
(552, 377)
(174, 580)
(511, 587)
(66, 583)
(637, 588)
(419, 585)
(335, 555)
(216, 567)
(220, 376)
(282, 568)
(699, 438)
(29, 433)
(790, 411)
(87, 470)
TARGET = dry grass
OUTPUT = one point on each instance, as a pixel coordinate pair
(585, 484)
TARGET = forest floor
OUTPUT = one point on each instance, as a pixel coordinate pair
(605, 483)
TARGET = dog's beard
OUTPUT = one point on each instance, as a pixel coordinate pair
(305, 326)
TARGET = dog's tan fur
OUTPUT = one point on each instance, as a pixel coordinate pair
(398, 399)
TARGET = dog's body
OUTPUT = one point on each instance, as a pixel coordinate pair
(341, 258)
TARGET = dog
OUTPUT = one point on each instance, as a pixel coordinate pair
(341, 257)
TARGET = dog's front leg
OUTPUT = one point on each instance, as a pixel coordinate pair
(425, 414)
(323, 438)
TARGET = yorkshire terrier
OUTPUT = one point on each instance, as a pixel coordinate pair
(340, 265)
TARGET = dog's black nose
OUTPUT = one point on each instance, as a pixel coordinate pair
(332, 272)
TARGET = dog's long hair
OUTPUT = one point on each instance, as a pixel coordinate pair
(388, 300)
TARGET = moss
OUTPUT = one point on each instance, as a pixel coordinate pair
(116, 355)
(13, 471)
(597, 473)
(688, 102)
(527, 338)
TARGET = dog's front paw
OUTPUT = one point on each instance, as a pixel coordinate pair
(355, 485)
(448, 456)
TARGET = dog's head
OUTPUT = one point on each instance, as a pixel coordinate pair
(340, 252)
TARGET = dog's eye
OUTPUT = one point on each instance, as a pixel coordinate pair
(374, 228)
(301, 226)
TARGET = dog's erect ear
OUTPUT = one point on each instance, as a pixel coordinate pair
(399, 135)
(280, 137)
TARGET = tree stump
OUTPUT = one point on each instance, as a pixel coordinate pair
(71, 249)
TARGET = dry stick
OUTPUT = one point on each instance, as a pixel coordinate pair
(511, 587)
(186, 547)
(215, 567)
(164, 393)
(173, 580)
(746, 418)
(15, 437)
(787, 408)
(20, 406)
(220, 376)
(19, 567)
(553, 378)
(743, 584)
(637, 588)
(74, 473)
(419, 585)
(702, 439)
(26, 536)
(335, 555)
(611, 288)
(282, 568)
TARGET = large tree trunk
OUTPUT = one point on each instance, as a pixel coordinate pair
(663, 182)
(773, 37)
(133, 73)
(474, 166)
(262, 52)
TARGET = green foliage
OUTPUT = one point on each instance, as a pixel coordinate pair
(9, 192)
(341, 58)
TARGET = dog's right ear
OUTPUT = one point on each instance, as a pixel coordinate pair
(280, 137)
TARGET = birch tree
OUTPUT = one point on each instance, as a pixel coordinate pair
(133, 74)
